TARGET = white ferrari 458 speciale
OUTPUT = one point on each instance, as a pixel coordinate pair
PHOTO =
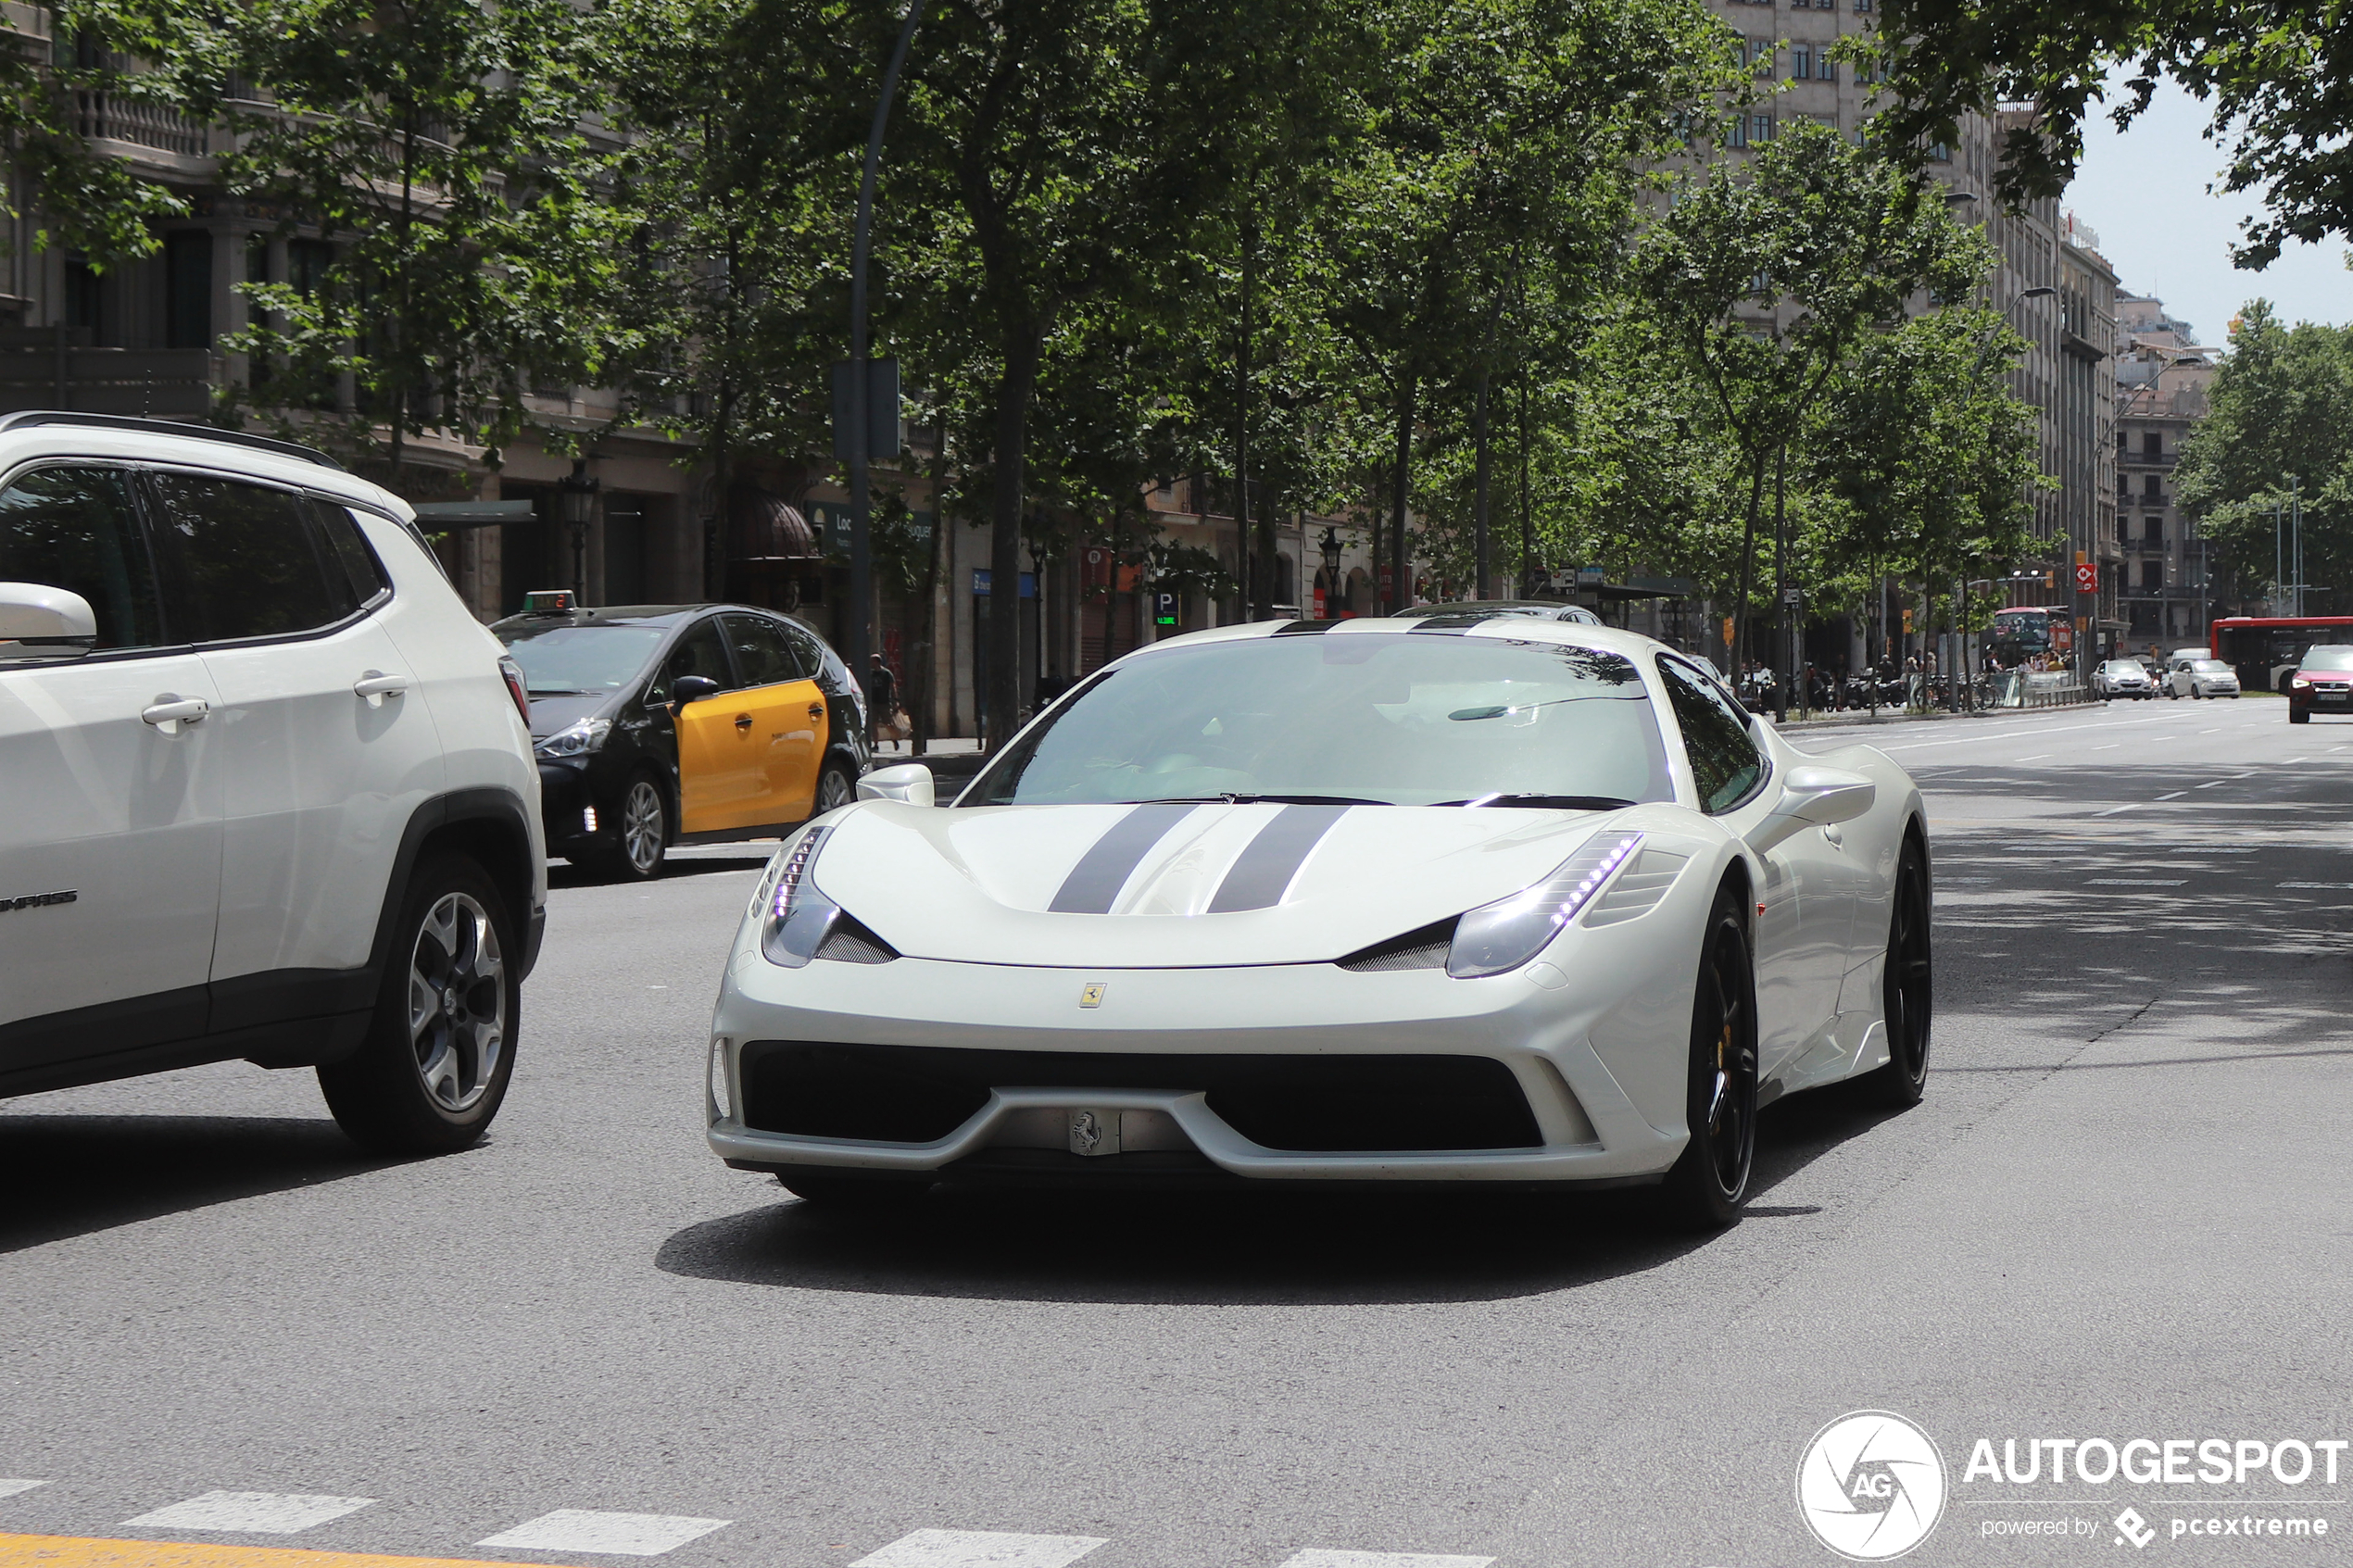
(1461, 899)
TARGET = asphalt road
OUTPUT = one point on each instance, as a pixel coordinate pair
(2120, 1213)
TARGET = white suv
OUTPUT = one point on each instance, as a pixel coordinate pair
(269, 790)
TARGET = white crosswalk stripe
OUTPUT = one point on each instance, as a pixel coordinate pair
(255, 1513)
(1320, 1558)
(980, 1548)
(613, 1534)
(10, 1488)
(621, 1534)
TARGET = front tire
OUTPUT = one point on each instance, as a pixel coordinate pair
(2293, 717)
(1907, 990)
(440, 1048)
(835, 787)
(641, 833)
(1704, 1189)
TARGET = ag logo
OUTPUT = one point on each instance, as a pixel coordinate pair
(1871, 1486)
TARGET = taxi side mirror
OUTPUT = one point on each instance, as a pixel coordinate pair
(693, 688)
(909, 784)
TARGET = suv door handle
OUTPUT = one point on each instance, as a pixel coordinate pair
(375, 685)
(743, 720)
(169, 710)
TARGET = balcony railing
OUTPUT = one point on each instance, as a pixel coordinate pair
(106, 117)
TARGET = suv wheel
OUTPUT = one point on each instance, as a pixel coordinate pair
(440, 1048)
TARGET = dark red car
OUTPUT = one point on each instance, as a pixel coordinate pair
(2322, 683)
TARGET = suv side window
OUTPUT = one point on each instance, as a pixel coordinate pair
(763, 654)
(255, 560)
(78, 529)
(1726, 764)
(699, 652)
(347, 547)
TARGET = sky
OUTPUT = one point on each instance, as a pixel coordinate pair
(2143, 191)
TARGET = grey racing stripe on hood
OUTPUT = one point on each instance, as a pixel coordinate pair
(1258, 880)
(1095, 882)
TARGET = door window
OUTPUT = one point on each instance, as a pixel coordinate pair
(256, 562)
(699, 652)
(76, 529)
(348, 549)
(1726, 765)
(763, 655)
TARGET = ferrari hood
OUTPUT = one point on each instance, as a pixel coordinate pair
(1166, 886)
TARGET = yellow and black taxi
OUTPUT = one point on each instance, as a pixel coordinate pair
(657, 724)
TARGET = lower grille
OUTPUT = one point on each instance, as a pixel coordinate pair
(1301, 1104)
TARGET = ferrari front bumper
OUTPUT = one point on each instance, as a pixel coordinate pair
(1056, 1063)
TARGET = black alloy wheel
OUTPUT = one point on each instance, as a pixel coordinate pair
(1908, 987)
(1706, 1189)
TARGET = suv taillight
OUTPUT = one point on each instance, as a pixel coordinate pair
(516, 688)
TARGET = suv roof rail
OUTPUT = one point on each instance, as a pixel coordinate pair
(169, 427)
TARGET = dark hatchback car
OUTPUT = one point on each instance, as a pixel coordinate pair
(657, 724)
(2322, 683)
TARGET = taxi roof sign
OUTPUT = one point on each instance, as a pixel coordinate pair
(547, 601)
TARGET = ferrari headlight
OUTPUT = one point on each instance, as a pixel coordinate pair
(1501, 936)
(798, 917)
(575, 741)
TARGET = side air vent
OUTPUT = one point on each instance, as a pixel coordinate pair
(1425, 948)
(851, 942)
(1639, 888)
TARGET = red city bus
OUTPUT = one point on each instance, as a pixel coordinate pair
(2265, 649)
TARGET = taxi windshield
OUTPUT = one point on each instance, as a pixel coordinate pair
(560, 658)
(2333, 657)
(1376, 718)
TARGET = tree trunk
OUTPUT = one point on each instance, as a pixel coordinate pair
(1478, 503)
(1016, 384)
(922, 668)
(1401, 591)
(1257, 553)
(1737, 653)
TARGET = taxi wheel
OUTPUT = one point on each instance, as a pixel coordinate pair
(835, 787)
(643, 832)
(441, 1044)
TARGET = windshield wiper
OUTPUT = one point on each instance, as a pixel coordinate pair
(1545, 802)
(1262, 800)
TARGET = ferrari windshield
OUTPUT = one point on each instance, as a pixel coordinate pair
(1398, 719)
(562, 658)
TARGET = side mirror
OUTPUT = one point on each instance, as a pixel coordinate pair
(38, 616)
(693, 688)
(1813, 798)
(908, 783)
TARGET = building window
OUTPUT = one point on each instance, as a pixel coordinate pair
(1940, 152)
(308, 262)
(2152, 529)
(1828, 69)
(1862, 4)
(2153, 443)
(2123, 443)
(1801, 62)
(187, 289)
(2149, 489)
(1760, 128)
(1736, 133)
(85, 300)
(2152, 574)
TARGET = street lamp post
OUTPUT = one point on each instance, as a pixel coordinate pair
(578, 490)
(856, 444)
(1329, 549)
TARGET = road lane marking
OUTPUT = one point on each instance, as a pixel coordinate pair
(617, 1535)
(980, 1548)
(2294, 760)
(2332, 886)
(2213, 783)
(2175, 795)
(2036, 758)
(2110, 746)
(248, 1513)
(84, 1551)
(10, 1488)
(2136, 882)
(2114, 811)
(1319, 1559)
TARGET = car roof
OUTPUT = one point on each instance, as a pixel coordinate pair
(640, 615)
(29, 437)
(1507, 628)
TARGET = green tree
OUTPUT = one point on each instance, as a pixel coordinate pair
(435, 146)
(2282, 408)
(1768, 275)
(2278, 78)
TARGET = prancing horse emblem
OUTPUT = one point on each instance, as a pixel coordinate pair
(1092, 996)
(1086, 1133)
